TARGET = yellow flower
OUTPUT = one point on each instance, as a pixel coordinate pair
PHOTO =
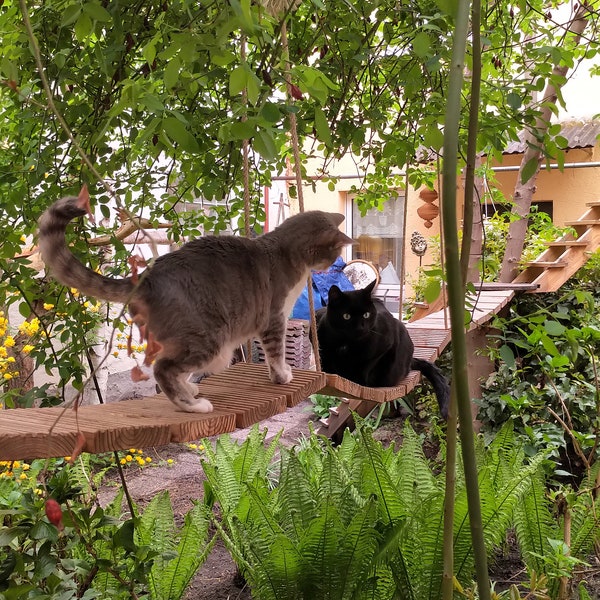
(3, 352)
(170, 461)
(16, 464)
(26, 467)
(22, 476)
(9, 341)
(48, 306)
(148, 459)
(129, 458)
(8, 376)
(116, 353)
(10, 359)
(123, 461)
(27, 348)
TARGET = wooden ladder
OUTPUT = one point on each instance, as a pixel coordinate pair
(564, 257)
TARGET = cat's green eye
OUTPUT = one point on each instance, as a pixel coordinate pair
(366, 315)
(346, 316)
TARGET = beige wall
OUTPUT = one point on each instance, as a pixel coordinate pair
(320, 197)
(568, 190)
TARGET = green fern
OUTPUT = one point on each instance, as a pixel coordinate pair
(170, 578)
(357, 521)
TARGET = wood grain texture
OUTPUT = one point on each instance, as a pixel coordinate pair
(241, 396)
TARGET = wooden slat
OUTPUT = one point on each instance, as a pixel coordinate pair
(339, 386)
(243, 376)
(586, 222)
(547, 264)
(241, 395)
(567, 243)
(27, 433)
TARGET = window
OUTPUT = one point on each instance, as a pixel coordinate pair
(380, 237)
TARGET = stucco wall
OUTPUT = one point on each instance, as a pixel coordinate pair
(568, 190)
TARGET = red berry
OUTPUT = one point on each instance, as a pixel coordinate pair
(54, 513)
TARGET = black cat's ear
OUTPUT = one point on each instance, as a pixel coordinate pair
(334, 294)
(369, 288)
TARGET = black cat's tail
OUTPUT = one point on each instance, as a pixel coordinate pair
(63, 266)
(438, 380)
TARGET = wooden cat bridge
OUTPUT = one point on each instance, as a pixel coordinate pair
(243, 395)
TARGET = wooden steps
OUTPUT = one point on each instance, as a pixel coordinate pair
(564, 257)
(241, 395)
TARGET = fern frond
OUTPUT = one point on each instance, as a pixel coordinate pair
(170, 578)
(358, 549)
(296, 501)
(319, 549)
(415, 480)
(534, 523)
(156, 525)
(375, 479)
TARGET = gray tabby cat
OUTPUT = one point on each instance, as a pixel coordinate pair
(199, 303)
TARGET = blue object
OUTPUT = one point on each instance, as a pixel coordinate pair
(322, 281)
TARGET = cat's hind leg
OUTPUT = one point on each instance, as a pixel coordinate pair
(172, 377)
(273, 343)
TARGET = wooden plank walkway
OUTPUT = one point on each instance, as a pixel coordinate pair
(241, 395)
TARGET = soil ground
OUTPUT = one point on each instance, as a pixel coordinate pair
(218, 578)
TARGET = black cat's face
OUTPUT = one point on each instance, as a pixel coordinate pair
(351, 312)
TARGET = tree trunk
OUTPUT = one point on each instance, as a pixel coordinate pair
(533, 154)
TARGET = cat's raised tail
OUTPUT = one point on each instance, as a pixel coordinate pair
(438, 381)
(62, 263)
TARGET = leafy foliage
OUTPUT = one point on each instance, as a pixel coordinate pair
(547, 379)
(93, 551)
(357, 520)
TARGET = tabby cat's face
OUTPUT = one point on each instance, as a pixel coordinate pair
(352, 313)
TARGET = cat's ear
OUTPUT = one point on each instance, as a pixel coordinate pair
(341, 238)
(369, 288)
(334, 294)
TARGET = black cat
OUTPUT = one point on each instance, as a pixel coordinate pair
(362, 341)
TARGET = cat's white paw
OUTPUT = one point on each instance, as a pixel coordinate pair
(282, 375)
(199, 405)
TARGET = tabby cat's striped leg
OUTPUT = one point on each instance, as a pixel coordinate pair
(172, 378)
(273, 343)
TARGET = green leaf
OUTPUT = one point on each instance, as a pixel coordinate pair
(123, 538)
(70, 15)
(529, 170)
(506, 354)
(97, 12)
(322, 126)
(237, 80)
(171, 73)
(149, 52)
(432, 289)
(178, 133)
(554, 328)
(265, 144)
(270, 112)
(83, 27)
(421, 44)
(514, 100)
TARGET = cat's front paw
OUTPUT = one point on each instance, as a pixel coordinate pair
(282, 375)
(198, 405)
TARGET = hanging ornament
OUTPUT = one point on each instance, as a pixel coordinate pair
(429, 210)
(418, 244)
